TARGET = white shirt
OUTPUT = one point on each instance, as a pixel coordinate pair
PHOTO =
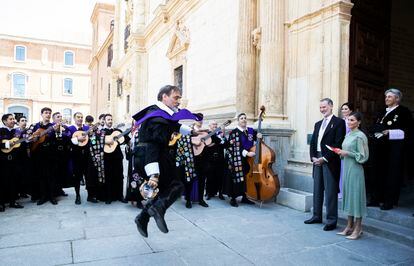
(322, 131)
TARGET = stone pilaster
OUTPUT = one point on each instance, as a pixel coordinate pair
(271, 73)
(246, 59)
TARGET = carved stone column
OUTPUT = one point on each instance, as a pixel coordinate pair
(246, 59)
(138, 19)
(271, 73)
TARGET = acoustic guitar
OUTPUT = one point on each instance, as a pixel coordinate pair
(17, 143)
(116, 137)
(40, 136)
(204, 139)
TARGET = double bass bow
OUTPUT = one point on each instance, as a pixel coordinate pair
(262, 184)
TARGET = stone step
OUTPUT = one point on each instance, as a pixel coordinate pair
(398, 216)
(391, 231)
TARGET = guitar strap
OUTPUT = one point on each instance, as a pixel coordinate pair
(185, 157)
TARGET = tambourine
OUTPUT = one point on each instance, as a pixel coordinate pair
(147, 192)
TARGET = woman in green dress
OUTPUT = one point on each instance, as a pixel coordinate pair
(354, 153)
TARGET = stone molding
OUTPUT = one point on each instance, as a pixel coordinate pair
(338, 8)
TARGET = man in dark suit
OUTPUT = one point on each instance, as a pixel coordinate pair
(330, 131)
(391, 134)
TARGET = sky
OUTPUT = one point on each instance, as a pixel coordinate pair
(59, 20)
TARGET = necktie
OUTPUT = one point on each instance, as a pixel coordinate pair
(324, 123)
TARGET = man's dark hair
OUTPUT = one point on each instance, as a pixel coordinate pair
(77, 113)
(44, 109)
(89, 119)
(239, 115)
(106, 115)
(55, 114)
(5, 117)
(167, 89)
(21, 117)
(328, 100)
(101, 116)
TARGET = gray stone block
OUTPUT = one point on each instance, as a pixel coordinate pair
(295, 199)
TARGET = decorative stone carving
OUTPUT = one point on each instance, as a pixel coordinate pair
(256, 37)
(179, 41)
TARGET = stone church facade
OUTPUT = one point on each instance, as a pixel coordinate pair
(235, 56)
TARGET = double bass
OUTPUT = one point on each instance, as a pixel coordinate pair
(262, 184)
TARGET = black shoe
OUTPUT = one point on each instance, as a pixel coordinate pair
(158, 216)
(41, 201)
(2, 208)
(93, 200)
(373, 204)
(123, 200)
(233, 203)
(108, 202)
(141, 221)
(203, 203)
(329, 227)
(247, 201)
(62, 193)
(53, 201)
(188, 204)
(386, 207)
(221, 196)
(78, 200)
(313, 220)
(16, 205)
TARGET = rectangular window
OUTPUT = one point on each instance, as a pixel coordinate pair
(20, 53)
(68, 86)
(127, 103)
(68, 58)
(178, 77)
(19, 85)
(109, 92)
(110, 56)
(126, 35)
(119, 87)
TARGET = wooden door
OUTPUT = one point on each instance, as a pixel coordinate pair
(369, 53)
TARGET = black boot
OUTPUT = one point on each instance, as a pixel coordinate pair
(157, 212)
(2, 207)
(78, 200)
(141, 221)
(188, 204)
(203, 203)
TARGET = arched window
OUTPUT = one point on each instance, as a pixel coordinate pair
(68, 86)
(67, 116)
(69, 58)
(20, 53)
(19, 85)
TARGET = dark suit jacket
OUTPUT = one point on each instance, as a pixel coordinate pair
(333, 136)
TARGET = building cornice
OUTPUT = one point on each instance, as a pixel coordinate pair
(45, 70)
(102, 8)
(45, 41)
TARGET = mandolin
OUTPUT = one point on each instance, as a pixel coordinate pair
(80, 133)
(117, 137)
(204, 139)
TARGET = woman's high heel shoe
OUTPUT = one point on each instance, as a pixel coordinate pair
(354, 236)
(346, 232)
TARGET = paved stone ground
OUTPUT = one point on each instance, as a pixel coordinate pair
(99, 234)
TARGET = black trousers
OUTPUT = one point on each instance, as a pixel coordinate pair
(214, 177)
(8, 180)
(389, 165)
